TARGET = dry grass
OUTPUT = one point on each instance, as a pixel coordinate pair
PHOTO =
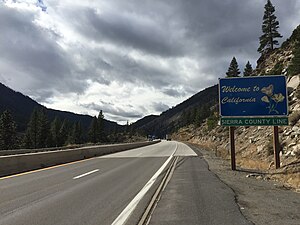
(269, 147)
(253, 164)
(293, 180)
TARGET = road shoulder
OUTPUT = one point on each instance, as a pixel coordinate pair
(195, 195)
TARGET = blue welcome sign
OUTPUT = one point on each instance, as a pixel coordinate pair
(263, 96)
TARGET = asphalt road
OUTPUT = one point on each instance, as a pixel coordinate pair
(93, 191)
(117, 188)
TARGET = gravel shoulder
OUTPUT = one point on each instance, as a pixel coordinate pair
(261, 201)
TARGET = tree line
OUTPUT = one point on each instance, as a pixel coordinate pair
(196, 116)
(42, 133)
(268, 41)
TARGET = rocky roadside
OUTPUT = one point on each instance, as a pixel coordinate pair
(261, 200)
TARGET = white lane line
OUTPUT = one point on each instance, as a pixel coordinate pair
(85, 174)
(122, 218)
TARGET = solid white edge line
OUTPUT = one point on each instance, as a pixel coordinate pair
(85, 174)
(122, 218)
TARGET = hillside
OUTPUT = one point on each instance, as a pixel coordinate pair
(279, 60)
(21, 107)
(172, 119)
(141, 122)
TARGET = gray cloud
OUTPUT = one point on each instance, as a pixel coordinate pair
(160, 106)
(173, 47)
(114, 111)
(33, 52)
(147, 32)
(174, 92)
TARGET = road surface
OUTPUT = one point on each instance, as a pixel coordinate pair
(111, 189)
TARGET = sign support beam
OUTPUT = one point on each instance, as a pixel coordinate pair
(232, 148)
(276, 147)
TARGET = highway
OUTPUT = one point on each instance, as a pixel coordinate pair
(93, 191)
(116, 189)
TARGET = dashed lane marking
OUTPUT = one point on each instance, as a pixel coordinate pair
(85, 174)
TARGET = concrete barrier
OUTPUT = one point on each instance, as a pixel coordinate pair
(38, 150)
(25, 162)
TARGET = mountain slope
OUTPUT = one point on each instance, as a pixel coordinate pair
(21, 107)
(171, 120)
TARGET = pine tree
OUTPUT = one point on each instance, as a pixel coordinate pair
(184, 118)
(212, 121)
(269, 28)
(94, 131)
(294, 68)
(71, 138)
(7, 131)
(76, 134)
(233, 70)
(248, 71)
(79, 133)
(44, 138)
(63, 133)
(204, 111)
(55, 127)
(31, 136)
(26, 140)
(198, 119)
(194, 115)
(127, 127)
(38, 133)
(101, 134)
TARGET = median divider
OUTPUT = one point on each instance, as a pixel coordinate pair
(13, 164)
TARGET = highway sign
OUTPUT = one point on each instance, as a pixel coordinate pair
(262, 96)
(265, 121)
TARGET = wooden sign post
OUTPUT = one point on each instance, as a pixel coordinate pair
(276, 147)
(232, 148)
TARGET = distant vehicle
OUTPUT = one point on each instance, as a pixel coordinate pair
(168, 137)
(151, 137)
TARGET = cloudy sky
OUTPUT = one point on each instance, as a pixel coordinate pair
(129, 58)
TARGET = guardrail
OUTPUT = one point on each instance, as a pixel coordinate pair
(13, 164)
